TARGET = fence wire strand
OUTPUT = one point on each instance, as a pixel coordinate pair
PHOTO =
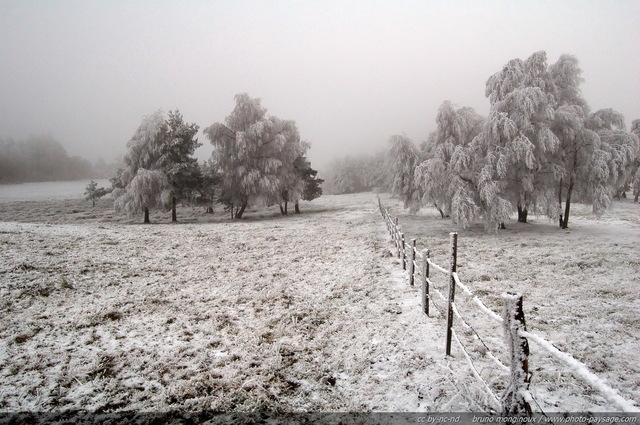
(496, 403)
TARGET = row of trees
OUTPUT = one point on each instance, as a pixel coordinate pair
(540, 149)
(354, 174)
(257, 159)
(40, 158)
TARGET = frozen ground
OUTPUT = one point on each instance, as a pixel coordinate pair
(297, 313)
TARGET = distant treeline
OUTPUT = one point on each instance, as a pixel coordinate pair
(42, 158)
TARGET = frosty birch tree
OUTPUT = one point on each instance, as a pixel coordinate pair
(620, 149)
(578, 144)
(596, 153)
(519, 132)
(254, 154)
(438, 181)
(635, 168)
(346, 176)
(359, 174)
(402, 159)
(291, 180)
(140, 186)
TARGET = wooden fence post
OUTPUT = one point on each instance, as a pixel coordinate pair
(425, 281)
(513, 401)
(453, 258)
(404, 252)
(412, 265)
(395, 235)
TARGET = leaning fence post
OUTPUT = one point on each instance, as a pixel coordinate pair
(425, 281)
(513, 401)
(453, 258)
(404, 252)
(412, 264)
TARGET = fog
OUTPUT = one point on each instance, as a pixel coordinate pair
(351, 74)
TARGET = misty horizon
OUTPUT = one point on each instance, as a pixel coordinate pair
(350, 75)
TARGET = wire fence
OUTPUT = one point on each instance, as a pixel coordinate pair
(513, 369)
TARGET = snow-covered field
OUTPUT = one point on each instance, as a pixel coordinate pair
(299, 313)
(38, 191)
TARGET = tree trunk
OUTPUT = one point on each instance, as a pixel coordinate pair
(93, 201)
(567, 206)
(286, 207)
(501, 226)
(174, 216)
(560, 221)
(297, 207)
(146, 216)
(281, 209)
(635, 198)
(522, 214)
(439, 210)
(241, 211)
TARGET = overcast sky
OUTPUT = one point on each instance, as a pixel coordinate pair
(350, 73)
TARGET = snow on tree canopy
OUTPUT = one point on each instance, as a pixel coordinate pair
(256, 154)
(158, 166)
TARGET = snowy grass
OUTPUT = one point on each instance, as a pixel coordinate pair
(299, 313)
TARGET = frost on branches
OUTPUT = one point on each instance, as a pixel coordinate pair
(539, 149)
(635, 167)
(138, 187)
(359, 174)
(446, 178)
(256, 155)
(519, 134)
(158, 166)
(402, 159)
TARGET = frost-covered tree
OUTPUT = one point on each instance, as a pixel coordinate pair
(346, 176)
(375, 172)
(207, 192)
(635, 167)
(312, 184)
(93, 192)
(158, 167)
(140, 185)
(438, 181)
(147, 190)
(518, 130)
(620, 149)
(402, 159)
(578, 144)
(579, 149)
(254, 154)
(596, 154)
(480, 195)
(361, 173)
(176, 159)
